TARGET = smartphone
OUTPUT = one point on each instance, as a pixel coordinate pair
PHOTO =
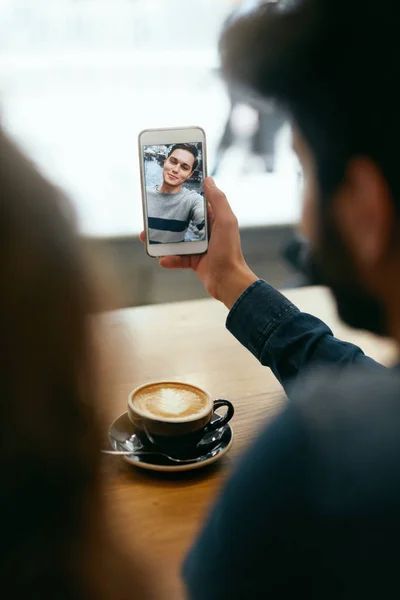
(172, 172)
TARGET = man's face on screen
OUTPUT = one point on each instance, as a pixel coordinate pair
(178, 167)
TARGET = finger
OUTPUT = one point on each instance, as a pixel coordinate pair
(175, 262)
(142, 236)
(210, 213)
(219, 203)
(210, 218)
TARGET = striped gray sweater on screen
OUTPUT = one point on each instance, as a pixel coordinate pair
(169, 215)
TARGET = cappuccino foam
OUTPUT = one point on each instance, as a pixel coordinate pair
(169, 401)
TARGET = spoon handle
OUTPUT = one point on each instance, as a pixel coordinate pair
(119, 452)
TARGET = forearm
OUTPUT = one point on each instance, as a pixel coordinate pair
(283, 338)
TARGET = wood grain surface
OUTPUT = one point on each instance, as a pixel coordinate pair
(188, 342)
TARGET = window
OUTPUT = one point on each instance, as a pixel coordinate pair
(80, 78)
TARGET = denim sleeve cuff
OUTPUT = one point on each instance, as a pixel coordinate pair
(256, 314)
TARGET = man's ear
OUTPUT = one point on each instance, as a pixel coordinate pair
(364, 212)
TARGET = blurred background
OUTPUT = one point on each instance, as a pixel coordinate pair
(79, 79)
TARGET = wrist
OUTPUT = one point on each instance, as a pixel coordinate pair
(233, 284)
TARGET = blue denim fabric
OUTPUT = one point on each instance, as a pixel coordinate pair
(285, 339)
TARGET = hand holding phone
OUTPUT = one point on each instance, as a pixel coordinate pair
(173, 168)
(223, 269)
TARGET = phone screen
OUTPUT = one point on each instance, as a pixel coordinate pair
(175, 203)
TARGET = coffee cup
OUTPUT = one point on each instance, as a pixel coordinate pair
(175, 416)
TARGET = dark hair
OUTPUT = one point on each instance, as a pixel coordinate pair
(190, 148)
(334, 66)
(56, 539)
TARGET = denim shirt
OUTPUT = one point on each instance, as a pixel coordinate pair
(287, 521)
(285, 339)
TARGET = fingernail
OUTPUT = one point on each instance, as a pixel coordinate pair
(211, 182)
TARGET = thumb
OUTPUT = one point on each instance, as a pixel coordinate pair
(217, 199)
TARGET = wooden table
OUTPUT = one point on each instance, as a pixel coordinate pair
(188, 341)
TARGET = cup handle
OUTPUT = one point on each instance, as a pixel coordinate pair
(222, 421)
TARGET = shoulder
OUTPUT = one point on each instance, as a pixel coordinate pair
(351, 420)
(152, 189)
(193, 196)
(346, 392)
(337, 440)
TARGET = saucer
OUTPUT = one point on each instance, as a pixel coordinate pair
(122, 438)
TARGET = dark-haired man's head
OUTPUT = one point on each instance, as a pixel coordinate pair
(179, 165)
(333, 68)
